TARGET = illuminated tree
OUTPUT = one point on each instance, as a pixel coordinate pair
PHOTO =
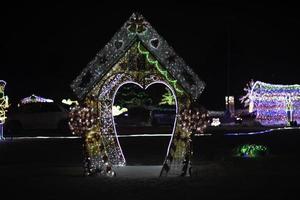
(246, 98)
(167, 99)
(131, 95)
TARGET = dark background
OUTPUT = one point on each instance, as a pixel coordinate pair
(44, 47)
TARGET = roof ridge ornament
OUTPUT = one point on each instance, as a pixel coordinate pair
(137, 24)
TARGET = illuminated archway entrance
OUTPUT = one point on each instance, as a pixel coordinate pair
(141, 130)
(136, 54)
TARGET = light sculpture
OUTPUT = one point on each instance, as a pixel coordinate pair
(274, 104)
(3, 106)
(35, 99)
(136, 54)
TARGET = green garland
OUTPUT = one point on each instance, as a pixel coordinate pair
(157, 65)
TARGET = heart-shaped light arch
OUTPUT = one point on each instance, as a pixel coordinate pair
(101, 145)
(145, 88)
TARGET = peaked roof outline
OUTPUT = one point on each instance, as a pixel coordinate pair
(137, 28)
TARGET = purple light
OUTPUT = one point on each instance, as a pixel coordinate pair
(275, 104)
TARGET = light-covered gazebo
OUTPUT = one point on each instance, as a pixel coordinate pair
(274, 104)
(136, 54)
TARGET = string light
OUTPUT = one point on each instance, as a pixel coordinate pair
(121, 61)
(193, 120)
(35, 99)
(273, 104)
(137, 28)
(165, 73)
(251, 150)
(82, 119)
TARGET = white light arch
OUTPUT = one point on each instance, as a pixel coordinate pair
(145, 88)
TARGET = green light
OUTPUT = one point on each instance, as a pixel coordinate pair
(251, 150)
(156, 64)
(167, 98)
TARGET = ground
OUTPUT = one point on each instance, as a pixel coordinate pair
(52, 169)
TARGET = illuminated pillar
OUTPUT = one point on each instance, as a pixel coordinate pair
(3, 107)
(289, 109)
(251, 106)
(229, 104)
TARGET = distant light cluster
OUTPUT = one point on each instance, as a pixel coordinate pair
(251, 150)
(275, 104)
(35, 99)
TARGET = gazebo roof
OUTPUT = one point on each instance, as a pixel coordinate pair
(137, 29)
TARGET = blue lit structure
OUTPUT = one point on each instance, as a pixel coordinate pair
(275, 104)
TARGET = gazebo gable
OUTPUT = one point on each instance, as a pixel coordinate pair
(137, 29)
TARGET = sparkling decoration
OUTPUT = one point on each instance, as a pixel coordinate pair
(215, 122)
(35, 99)
(3, 107)
(246, 98)
(3, 102)
(137, 55)
(194, 120)
(117, 110)
(137, 24)
(82, 119)
(167, 99)
(251, 150)
(69, 102)
(191, 121)
(129, 33)
(158, 67)
(273, 104)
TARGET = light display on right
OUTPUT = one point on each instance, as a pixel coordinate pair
(273, 104)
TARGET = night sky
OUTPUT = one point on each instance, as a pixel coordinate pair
(44, 47)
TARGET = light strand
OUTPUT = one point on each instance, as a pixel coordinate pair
(156, 64)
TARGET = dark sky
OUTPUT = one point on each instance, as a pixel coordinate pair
(44, 47)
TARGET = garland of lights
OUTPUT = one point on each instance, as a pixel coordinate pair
(165, 73)
(138, 29)
(251, 150)
(273, 104)
(193, 120)
(107, 128)
(83, 121)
